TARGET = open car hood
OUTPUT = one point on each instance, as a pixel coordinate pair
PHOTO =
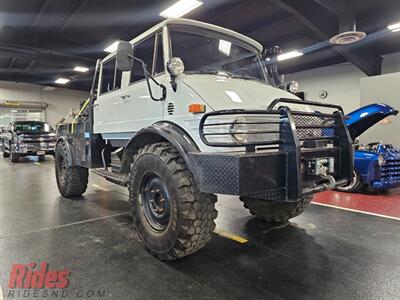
(365, 117)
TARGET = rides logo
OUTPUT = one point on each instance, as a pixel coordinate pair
(32, 276)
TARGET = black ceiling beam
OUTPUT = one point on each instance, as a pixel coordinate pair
(40, 13)
(29, 67)
(11, 64)
(76, 5)
(324, 24)
(47, 56)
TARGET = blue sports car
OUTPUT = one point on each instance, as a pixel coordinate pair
(377, 165)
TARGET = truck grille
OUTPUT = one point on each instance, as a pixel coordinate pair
(314, 126)
(391, 168)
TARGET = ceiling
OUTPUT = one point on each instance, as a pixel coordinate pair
(41, 40)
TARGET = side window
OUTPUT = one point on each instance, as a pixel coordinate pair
(111, 77)
(144, 50)
(159, 63)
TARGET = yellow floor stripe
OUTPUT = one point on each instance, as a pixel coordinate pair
(231, 236)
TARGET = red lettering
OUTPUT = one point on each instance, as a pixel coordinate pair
(39, 275)
(63, 281)
(16, 276)
(50, 280)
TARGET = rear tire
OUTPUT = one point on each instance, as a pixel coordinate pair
(172, 217)
(42, 158)
(71, 181)
(276, 212)
(355, 185)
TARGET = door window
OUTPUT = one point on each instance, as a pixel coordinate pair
(111, 77)
(151, 52)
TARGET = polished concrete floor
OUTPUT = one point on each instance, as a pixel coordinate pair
(325, 253)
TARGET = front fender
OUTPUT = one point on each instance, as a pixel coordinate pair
(159, 132)
(365, 163)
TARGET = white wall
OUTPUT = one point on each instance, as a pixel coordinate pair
(343, 84)
(386, 88)
(60, 101)
(342, 81)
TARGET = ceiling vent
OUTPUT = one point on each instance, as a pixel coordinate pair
(345, 15)
(348, 37)
(171, 109)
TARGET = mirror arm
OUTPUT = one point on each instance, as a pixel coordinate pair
(148, 77)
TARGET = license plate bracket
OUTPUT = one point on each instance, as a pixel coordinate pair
(41, 153)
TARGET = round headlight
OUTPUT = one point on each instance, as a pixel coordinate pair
(292, 87)
(381, 160)
(175, 66)
(238, 126)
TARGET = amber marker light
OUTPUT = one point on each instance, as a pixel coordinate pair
(197, 108)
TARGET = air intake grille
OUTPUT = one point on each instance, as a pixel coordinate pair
(171, 109)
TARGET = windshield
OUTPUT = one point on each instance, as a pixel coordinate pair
(210, 52)
(36, 127)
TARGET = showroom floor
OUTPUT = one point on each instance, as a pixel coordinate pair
(324, 253)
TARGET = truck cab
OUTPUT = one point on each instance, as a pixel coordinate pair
(28, 138)
(189, 110)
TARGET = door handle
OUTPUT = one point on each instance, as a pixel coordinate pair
(125, 96)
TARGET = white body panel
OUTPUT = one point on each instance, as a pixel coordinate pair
(120, 114)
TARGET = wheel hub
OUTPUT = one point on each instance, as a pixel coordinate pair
(155, 202)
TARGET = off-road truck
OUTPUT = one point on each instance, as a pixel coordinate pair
(188, 110)
(28, 138)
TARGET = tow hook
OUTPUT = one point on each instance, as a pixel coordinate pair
(331, 182)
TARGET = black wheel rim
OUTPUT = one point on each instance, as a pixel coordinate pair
(155, 202)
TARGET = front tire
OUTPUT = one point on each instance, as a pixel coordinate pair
(71, 181)
(172, 217)
(276, 212)
(13, 156)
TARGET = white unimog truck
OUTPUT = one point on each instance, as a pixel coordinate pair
(188, 110)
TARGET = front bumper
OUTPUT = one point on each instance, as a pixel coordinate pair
(387, 183)
(27, 149)
(280, 148)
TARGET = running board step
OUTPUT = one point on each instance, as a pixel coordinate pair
(114, 178)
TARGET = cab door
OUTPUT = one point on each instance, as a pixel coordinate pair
(137, 108)
(106, 107)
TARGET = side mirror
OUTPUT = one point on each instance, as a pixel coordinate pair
(124, 56)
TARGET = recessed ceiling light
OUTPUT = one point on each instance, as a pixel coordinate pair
(180, 8)
(112, 48)
(81, 69)
(394, 27)
(225, 47)
(62, 80)
(289, 55)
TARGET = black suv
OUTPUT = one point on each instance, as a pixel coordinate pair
(26, 138)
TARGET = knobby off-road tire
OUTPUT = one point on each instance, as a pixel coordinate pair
(276, 212)
(5, 154)
(172, 217)
(71, 181)
(355, 185)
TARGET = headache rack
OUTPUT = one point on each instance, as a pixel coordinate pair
(294, 137)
